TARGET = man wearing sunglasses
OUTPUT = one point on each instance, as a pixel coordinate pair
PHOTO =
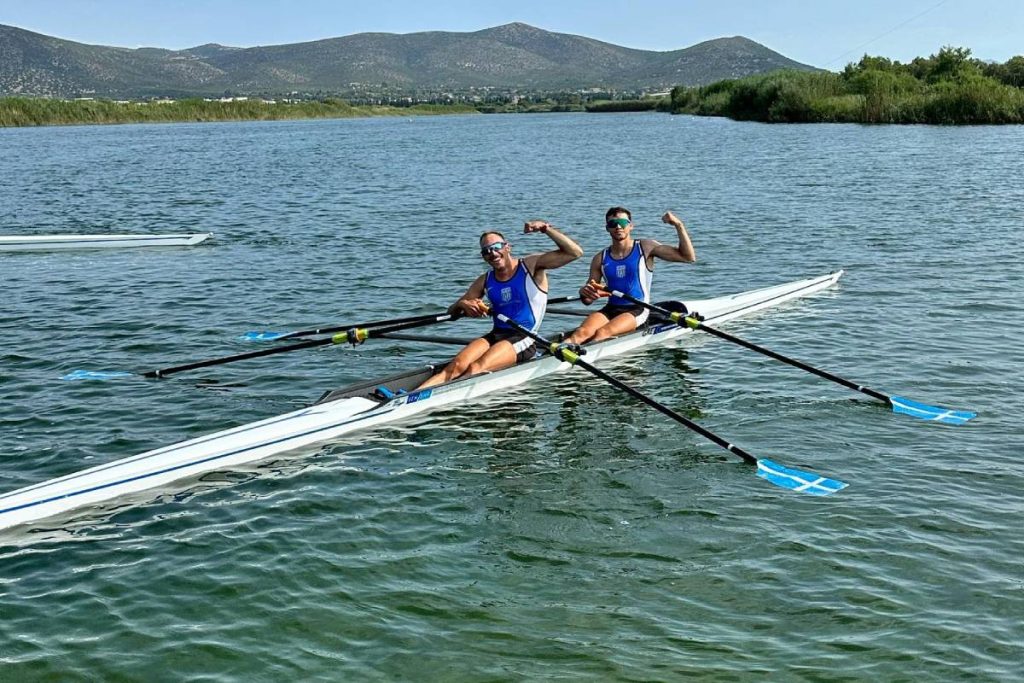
(515, 287)
(626, 266)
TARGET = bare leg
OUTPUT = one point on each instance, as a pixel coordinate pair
(591, 324)
(458, 365)
(500, 356)
(620, 324)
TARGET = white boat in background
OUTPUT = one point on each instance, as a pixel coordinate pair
(54, 242)
(358, 407)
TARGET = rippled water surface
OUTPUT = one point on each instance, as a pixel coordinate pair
(563, 531)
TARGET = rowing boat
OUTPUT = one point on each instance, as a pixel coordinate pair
(53, 242)
(358, 407)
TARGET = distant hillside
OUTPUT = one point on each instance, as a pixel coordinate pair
(510, 56)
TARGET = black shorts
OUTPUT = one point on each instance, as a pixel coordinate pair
(611, 311)
(523, 345)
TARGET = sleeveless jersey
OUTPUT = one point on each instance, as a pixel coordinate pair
(519, 298)
(629, 275)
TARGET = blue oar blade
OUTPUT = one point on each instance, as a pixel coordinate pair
(92, 374)
(798, 480)
(923, 411)
(263, 336)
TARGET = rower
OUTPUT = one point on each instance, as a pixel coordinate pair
(626, 266)
(515, 287)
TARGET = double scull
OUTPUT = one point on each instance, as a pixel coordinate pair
(358, 407)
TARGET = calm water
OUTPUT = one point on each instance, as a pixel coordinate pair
(563, 533)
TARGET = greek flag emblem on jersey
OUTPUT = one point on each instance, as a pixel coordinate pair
(506, 294)
(620, 271)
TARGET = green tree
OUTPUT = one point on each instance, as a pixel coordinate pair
(1015, 72)
(952, 63)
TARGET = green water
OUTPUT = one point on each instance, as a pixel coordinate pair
(564, 532)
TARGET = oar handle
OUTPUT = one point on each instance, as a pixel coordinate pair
(682, 319)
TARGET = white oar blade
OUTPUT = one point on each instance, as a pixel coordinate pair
(798, 480)
(262, 336)
(923, 411)
(93, 374)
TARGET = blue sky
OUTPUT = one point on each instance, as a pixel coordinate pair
(826, 33)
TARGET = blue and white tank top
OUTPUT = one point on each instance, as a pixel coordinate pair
(518, 298)
(629, 275)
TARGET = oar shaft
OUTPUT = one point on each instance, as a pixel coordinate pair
(665, 410)
(794, 362)
(695, 323)
(394, 321)
(354, 335)
(372, 323)
(574, 359)
(363, 332)
(785, 477)
(164, 372)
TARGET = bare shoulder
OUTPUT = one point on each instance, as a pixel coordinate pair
(530, 260)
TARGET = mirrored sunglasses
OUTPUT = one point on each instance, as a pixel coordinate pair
(493, 248)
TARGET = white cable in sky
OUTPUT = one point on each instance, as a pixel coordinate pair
(894, 28)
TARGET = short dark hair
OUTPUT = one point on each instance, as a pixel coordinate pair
(618, 209)
(491, 232)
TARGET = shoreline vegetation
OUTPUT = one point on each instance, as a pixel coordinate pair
(947, 88)
(24, 111)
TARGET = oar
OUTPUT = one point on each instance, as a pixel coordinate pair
(786, 477)
(354, 335)
(899, 404)
(275, 336)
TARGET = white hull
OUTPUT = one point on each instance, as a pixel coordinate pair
(331, 419)
(56, 242)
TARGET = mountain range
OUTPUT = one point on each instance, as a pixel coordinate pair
(512, 56)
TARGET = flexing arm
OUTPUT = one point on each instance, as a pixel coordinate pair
(567, 252)
(472, 302)
(684, 252)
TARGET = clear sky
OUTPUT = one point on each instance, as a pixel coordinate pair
(824, 33)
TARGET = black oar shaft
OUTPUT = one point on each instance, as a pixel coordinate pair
(794, 362)
(362, 330)
(697, 324)
(354, 335)
(573, 358)
(665, 410)
(394, 321)
(341, 328)
(163, 372)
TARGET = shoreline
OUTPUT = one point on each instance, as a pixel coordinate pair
(948, 89)
(24, 112)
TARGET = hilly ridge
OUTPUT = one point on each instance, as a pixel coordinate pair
(503, 57)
